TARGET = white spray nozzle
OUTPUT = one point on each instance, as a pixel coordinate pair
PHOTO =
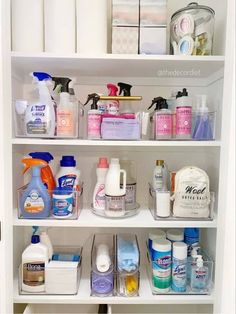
(199, 261)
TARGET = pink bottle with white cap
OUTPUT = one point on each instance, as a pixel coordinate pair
(99, 190)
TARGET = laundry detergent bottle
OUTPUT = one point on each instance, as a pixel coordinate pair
(68, 175)
(35, 201)
(40, 116)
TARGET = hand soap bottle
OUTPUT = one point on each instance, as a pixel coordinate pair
(35, 201)
(112, 105)
(183, 115)
(94, 118)
(199, 276)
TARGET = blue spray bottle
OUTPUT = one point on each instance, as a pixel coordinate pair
(35, 202)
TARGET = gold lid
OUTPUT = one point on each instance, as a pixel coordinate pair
(159, 162)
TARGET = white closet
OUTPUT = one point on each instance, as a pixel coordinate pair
(93, 72)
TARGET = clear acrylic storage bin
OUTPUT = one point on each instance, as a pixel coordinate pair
(102, 277)
(208, 286)
(61, 274)
(203, 126)
(154, 207)
(66, 125)
(128, 275)
(63, 208)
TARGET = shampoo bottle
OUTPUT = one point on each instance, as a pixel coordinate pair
(40, 116)
(160, 176)
(35, 201)
(115, 196)
(34, 259)
(113, 105)
(99, 190)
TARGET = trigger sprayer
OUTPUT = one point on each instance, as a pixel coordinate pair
(46, 172)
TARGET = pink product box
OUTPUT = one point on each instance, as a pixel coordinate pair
(120, 129)
(152, 40)
(153, 12)
(125, 12)
(125, 40)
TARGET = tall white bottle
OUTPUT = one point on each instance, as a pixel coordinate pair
(45, 240)
(115, 195)
(34, 258)
(99, 190)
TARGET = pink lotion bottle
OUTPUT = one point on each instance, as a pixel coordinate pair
(99, 190)
(113, 105)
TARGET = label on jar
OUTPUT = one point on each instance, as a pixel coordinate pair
(184, 121)
(34, 273)
(130, 197)
(34, 202)
(94, 125)
(115, 205)
(164, 125)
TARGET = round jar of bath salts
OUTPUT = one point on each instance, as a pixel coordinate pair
(175, 235)
(62, 200)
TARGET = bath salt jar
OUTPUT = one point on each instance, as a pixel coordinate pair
(192, 30)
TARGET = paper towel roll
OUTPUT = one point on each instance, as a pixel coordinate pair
(27, 25)
(59, 21)
(91, 26)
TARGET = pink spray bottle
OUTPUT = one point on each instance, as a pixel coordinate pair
(113, 105)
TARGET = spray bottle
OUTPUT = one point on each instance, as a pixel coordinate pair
(126, 105)
(66, 126)
(35, 201)
(113, 105)
(94, 118)
(40, 116)
(46, 172)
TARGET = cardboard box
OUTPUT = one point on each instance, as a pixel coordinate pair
(125, 40)
(153, 13)
(125, 13)
(152, 40)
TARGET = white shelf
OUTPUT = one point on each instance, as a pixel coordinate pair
(156, 66)
(87, 219)
(80, 142)
(83, 296)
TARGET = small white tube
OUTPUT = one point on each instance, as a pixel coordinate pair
(163, 203)
(103, 260)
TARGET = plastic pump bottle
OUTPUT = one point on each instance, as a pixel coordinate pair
(199, 276)
(99, 190)
(35, 201)
(44, 239)
(126, 105)
(40, 116)
(34, 258)
(183, 115)
(46, 172)
(113, 105)
(68, 175)
(94, 118)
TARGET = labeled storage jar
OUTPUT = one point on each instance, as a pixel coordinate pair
(192, 30)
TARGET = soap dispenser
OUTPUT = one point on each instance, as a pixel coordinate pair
(94, 118)
(199, 276)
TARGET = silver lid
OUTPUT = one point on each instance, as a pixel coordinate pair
(193, 6)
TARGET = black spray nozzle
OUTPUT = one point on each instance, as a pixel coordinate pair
(160, 103)
(183, 93)
(63, 82)
(125, 89)
(95, 98)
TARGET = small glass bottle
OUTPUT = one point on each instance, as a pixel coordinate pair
(199, 276)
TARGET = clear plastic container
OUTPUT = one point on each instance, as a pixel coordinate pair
(128, 274)
(60, 279)
(203, 126)
(59, 208)
(155, 208)
(192, 30)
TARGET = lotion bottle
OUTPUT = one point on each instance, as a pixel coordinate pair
(99, 190)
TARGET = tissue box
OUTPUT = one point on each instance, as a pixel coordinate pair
(61, 277)
(125, 40)
(120, 129)
(153, 12)
(152, 40)
(125, 12)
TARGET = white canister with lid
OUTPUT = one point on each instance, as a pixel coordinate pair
(157, 234)
(175, 235)
(161, 265)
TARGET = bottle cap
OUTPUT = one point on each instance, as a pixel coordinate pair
(35, 239)
(161, 245)
(180, 250)
(63, 191)
(191, 232)
(103, 163)
(68, 161)
(159, 162)
(159, 234)
(175, 235)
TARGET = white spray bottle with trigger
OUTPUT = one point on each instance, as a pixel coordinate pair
(40, 116)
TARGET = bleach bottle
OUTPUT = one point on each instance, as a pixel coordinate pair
(68, 176)
(35, 201)
(40, 116)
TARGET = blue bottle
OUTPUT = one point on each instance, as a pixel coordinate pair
(191, 238)
(35, 202)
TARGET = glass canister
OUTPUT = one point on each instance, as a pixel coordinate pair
(191, 30)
